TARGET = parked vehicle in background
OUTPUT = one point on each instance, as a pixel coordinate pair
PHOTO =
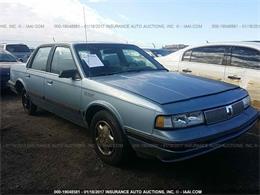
(20, 51)
(130, 101)
(236, 62)
(6, 61)
(157, 52)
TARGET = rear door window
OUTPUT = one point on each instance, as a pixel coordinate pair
(245, 57)
(41, 58)
(209, 55)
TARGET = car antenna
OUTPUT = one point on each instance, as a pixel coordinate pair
(85, 26)
(53, 39)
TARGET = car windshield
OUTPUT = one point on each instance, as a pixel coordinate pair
(107, 59)
(17, 48)
(5, 57)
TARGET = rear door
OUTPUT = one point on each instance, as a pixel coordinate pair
(235, 70)
(63, 95)
(244, 70)
(35, 75)
(208, 61)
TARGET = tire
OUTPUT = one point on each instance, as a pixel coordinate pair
(104, 127)
(29, 107)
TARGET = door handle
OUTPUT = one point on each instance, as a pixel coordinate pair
(49, 82)
(28, 75)
(234, 77)
(186, 70)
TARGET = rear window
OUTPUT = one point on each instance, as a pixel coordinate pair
(17, 48)
(245, 57)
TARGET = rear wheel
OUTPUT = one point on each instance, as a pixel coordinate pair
(109, 141)
(29, 107)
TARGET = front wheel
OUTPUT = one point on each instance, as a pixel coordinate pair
(29, 107)
(109, 141)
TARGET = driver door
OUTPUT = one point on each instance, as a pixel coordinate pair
(63, 95)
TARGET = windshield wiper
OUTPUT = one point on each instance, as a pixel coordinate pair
(107, 74)
(134, 70)
(140, 70)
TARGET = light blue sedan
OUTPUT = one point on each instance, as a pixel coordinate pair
(130, 102)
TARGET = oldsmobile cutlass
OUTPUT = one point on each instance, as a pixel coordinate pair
(130, 102)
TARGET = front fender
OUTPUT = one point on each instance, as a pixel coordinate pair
(107, 106)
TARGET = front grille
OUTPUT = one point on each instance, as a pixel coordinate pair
(223, 113)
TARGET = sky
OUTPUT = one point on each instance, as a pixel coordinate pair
(169, 21)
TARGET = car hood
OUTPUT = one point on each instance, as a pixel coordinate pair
(165, 87)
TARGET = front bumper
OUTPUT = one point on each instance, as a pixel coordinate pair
(178, 147)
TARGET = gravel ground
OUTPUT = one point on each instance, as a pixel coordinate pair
(43, 153)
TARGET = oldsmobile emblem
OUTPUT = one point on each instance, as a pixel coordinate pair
(229, 110)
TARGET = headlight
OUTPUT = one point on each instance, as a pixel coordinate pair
(246, 101)
(179, 121)
(186, 120)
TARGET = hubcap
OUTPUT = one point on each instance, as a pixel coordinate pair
(25, 101)
(104, 138)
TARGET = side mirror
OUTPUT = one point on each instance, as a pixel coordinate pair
(70, 74)
(20, 59)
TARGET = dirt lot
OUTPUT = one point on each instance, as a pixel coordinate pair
(42, 153)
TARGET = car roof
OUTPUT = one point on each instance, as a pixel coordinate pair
(83, 43)
(179, 53)
(13, 44)
(251, 44)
